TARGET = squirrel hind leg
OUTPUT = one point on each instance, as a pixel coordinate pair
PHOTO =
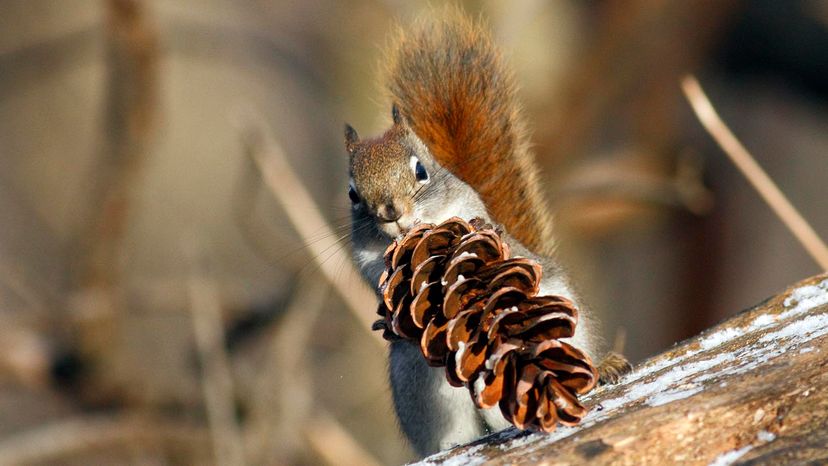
(612, 368)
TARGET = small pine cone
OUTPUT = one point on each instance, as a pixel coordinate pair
(474, 309)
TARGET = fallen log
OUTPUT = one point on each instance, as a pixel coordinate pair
(749, 390)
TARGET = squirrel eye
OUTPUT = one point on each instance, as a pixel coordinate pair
(352, 194)
(419, 170)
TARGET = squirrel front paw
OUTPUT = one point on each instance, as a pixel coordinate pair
(612, 368)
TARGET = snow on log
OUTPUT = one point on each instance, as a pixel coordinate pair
(753, 389)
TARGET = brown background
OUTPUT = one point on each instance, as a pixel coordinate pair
(129, 208)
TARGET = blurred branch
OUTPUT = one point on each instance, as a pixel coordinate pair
(217, 379)
(614, 178)
(626, 75)
(24, 64)
(283, 395)
(131, 111)
(264, 242)
(335, 445)
(740, 156)
(33, 268)
(25, 354)
(599, 195)
(61, 439)
(306, 217)
(129, 119)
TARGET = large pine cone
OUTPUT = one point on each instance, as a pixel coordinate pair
(454, 288)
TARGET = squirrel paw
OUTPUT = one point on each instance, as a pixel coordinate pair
(612, 368)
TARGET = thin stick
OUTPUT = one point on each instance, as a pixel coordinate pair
(282, 395)
(753, 172)
(331, 441)
(131, 116)
(306, 217)
(217, 379)
(51, 442)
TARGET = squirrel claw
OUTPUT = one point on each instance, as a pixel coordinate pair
(612, 368)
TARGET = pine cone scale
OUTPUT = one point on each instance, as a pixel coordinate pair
(401, 322)
(434, 342)
(460, 294)
(405, 247)
(393, 290)
(462, 327)
(423, 308)
(482, 245)
(516, 277)
(425, 273)
(462, 265)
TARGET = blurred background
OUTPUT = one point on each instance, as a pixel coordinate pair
(175, 285)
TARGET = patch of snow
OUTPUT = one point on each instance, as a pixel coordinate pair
(723, 336)
(672, 395)
(467, 253)
(458, 356)
(765, 436)
(806, 350)
(729, 457)
(479, 384)
(762, 321)
(519, 442)
(758, 415)
(663, 382)
(650, 368)
(808, 297)
(804, 329)
(469, 457)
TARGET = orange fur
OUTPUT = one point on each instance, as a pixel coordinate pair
(449, 80)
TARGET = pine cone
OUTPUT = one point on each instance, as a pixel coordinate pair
(474, 309)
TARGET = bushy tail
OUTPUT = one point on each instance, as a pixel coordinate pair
(449, 80)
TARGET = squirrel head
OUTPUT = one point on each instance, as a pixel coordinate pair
(386, 174)
(395, 181)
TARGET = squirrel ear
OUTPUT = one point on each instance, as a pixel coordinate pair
(395, 114)
(351, 137)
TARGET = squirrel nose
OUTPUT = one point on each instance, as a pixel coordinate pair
(388, 213)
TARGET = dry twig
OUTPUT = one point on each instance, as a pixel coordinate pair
(217, 379)
(59, 440)
(130, 118)
(25, 354)
(282, 395)
(306, 217)
(131, 112)
(740, 156)
(331, 441)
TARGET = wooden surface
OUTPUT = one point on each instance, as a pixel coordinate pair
(750, 390)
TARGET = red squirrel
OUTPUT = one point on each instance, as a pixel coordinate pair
(458, 146)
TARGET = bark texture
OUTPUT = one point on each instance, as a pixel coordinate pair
(751, 390)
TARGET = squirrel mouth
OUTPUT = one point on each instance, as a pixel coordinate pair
(394, 229)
